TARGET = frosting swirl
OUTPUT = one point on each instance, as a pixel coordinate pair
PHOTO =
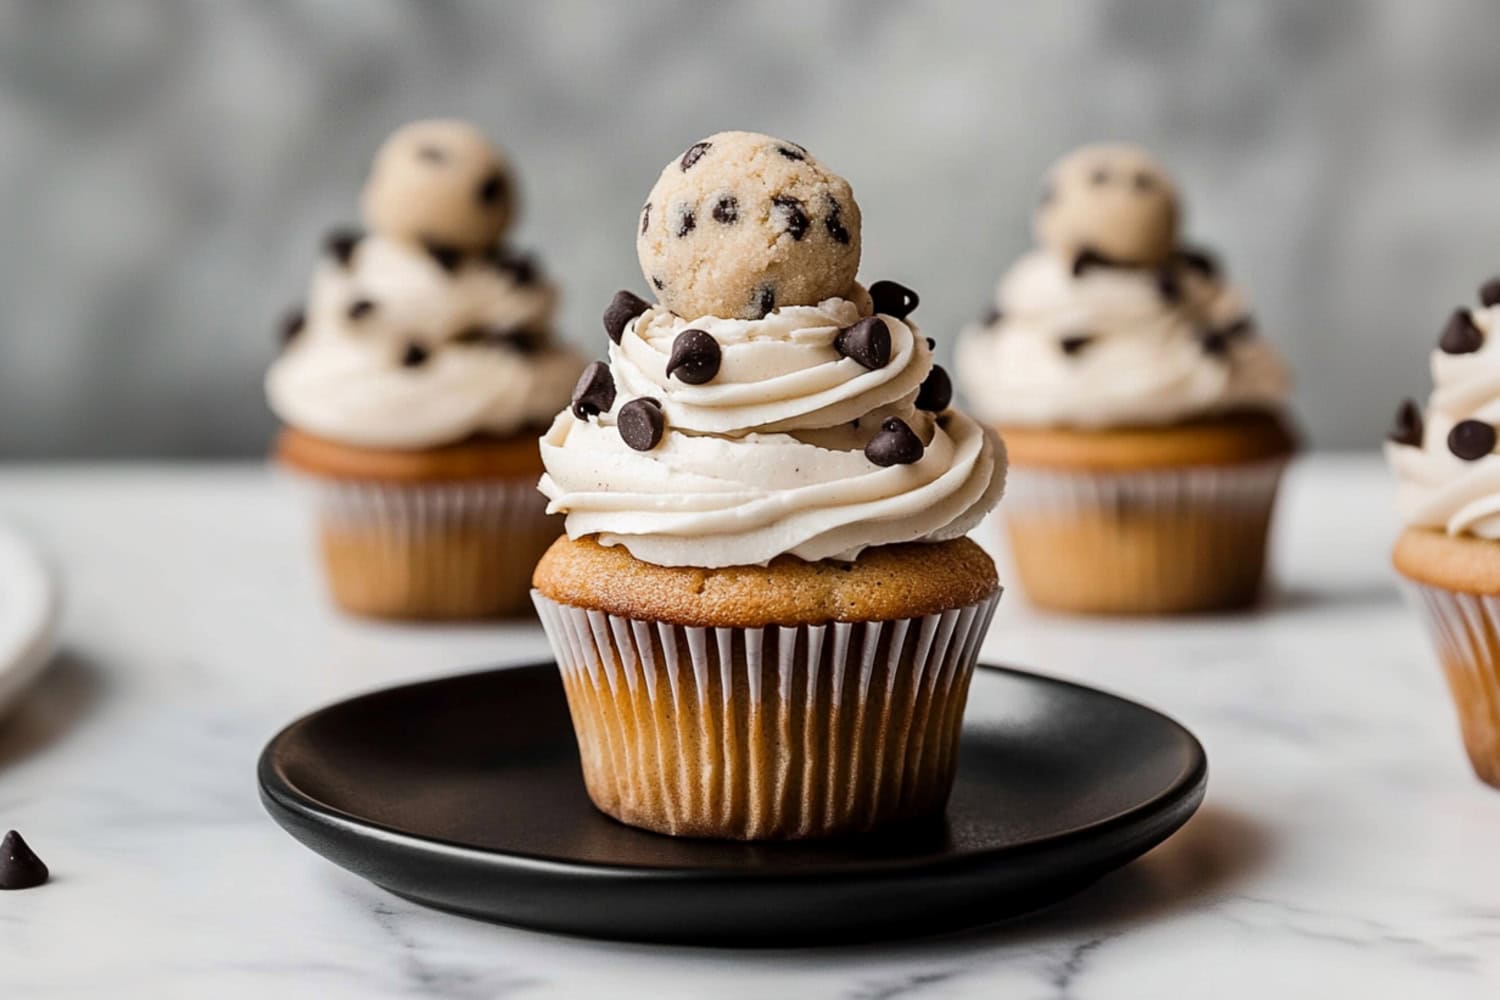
(401, 350)
(768, 457)
(1441, 482)
(1116, 346)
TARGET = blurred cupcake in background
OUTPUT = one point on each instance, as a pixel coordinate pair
(1448, 491)
(415, 381)
(1142, 412)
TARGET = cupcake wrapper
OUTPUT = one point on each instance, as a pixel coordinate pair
(441, 550)
(1466, 630)
(1157, 541)
(766, 733)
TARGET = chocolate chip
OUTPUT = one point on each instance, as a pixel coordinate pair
(472, 335)
(623, 308)
(1099, 176)
(292, 325)
(448, 257)
(657, 283)
(415, 356)
(687, 221)
(341, 244)
(1408, 426)
(1460, 336)
(1143, 181)
(894, 444)
(20, 868)
(834, 222)
(432, 154)
(641, 423)
(693, 155)
(931, 343)
(763, 301)
(1471, 440)
(893, 299)
(1214, 344)
(1489, 293)
(360, 308)
(1198, 260)
(991, 316)
(521, 339)
(1086, 260)
(1167, 285)
(695, 357)
(794, 218)
(727, 210)
(645, 217)
(1072, 345)
(867, 341)
(936, 394)
(492, 189)
(790, 153)
(595, 392)
(1238, 329)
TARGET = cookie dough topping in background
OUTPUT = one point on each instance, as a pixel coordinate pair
(1108, 205)
(440, 184)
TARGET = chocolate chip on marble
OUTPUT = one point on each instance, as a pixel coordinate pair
(292, 325)
(834, 223)
(341, 244)
(764, 301)
(595, 392)
(1407, 429)
(1460, 335)
(645, 217)
(360, 308)
(1076, 343)
(415, 355)
(727, 210)
(687, 221)
(1471, 440)
(894, 444)
(867, 342)
(695, 357)
(1489, 293)
(623, 308)
(893, 299)
(791, 154)
(1198, 260)
(693, 155)
(449, 258)
(492, 189)
(641, 424)
(793, 216)
(20, 868)
(936, 394)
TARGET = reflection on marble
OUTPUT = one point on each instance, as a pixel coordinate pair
(1344, 848)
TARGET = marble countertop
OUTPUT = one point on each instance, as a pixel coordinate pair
(1344, 849)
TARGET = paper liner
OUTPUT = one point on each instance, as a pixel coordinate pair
(1148, 542)
(1466, 630)
(433, 551)
(766, 733)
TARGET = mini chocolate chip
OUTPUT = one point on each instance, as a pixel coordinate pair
(292, 325)
(931, 343)
(657, 283)
(623, 308)
(867, 342)
(790, 153)
(687, 221)
(695, 357)
(595, 392)
(991, 316)
(936, 394)
(1198, 260)
(1086, 260)
(727, 210)
(1214, 344)
(432, 154)
(834, 222)
(764, 301)
(341, 244)
(1489, 293)
(20, 868)
(414, 356)
(1460, 336)
(1408, 426)
(1099, 176)
(894, 444)
(645, 217)
(1471, 440)
(1143, 181)
(1238, 329)
(492, 189)
(521, 339)
(448, 257)
(471, 335)
(893, 299)
(1072, 345)
(1167, 285)
(360, 308)
(641, 424)
(522, 267)
(795, 219)
(693, 155)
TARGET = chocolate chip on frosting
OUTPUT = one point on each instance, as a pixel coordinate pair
(595, 392)
(449, 258)
(693, 155)
(894, 444)
(727, 210)
(936, 394)
(522, 267)
(1489, 293)
(1199, 260)
(793, 216)
(341, 244)
(1471, 440)
(1167, 285)
(415, 356)
(292, 325)
(623, 308)
(20, 868)
(695, 357)
(867, 342)
(1408, 426)
(894, 299)
(1076, 343)
(1460, 336)
(360, 308)
(1087, 260)
(641, 423)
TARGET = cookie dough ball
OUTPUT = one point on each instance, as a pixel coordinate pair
(440, 183)
(1116, 202)
(742, 223)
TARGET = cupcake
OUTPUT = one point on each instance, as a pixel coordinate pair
(765, 610)
(414, 384)
(1448, 492)
(1142, 413)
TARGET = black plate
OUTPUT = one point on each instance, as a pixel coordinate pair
(465, 794)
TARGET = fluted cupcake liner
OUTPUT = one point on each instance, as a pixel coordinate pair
(1466, 630)
(766, 733)
(432, 551)
(1143, 542)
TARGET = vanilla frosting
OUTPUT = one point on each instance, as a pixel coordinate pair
(767, 458)
(1109, 347)
(1436, 488)
(440, 352)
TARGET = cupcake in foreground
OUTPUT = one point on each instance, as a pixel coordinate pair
(765, 609)
(414, 383)
(1448, 492)
(1142, 412)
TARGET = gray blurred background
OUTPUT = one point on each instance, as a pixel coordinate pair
(167, 168)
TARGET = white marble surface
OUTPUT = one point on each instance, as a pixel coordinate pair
(1344, 848)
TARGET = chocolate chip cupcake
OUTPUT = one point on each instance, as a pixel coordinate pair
(765, 611)
(1448, 479)
(1142, 412)
(414, 383)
